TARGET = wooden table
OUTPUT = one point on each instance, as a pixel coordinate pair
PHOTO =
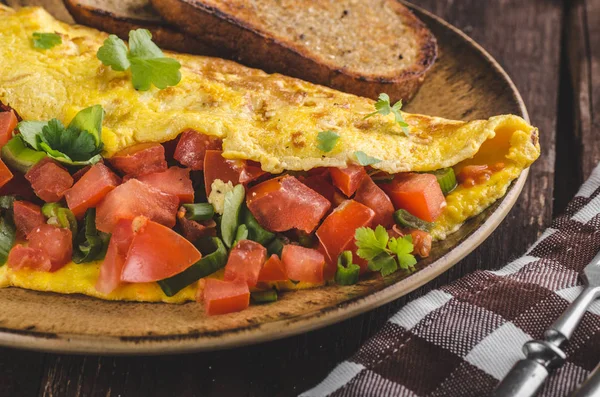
(551, 49)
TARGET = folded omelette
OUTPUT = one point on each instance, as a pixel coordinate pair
(270, 119)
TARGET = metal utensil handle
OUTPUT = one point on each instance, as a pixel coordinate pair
(524, 380)
(591, 387)
(563, 328)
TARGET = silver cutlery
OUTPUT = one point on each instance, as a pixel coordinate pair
(591, 386)
(543, 356)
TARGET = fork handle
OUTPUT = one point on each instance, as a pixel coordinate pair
(523, 380)
(562, 329)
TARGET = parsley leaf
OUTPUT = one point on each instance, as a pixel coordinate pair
(379, 249)
(46, 40)
(403, 247)
(384, 263)
(364, 159)
(371, 242)
(384, 107)
(147, 62)
(327, 140)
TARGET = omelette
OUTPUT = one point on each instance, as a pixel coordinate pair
(270, 121)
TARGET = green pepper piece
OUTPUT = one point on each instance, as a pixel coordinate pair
(18, 156)
(231, 214)
(255, 231)
(264, 296)
(91, 244)
(204, 267)
(405, 219)
(347, 272)
(240, 234)
(446, 179)
(199, 211)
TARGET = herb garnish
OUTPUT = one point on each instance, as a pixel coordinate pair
(46, 40)
(379, 249)
(384, 107)
(327, 140)
(364, 159)
(147, 62)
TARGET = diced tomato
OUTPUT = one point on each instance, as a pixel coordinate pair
(337, 230)
(175, 181)
(134, 198)
(371, 195)
(18, 186)
(49, 180)
(156, 252)
(217, 167)
(81, 172)
(140, 159)
(272, 270)
(285, 203)
(194, 230)
(347, 179)
(472, 175)
(5, 174)
(90, 189)
(112, 265)
(357, 259)
(251, 171)
(419, 194)
(8, 122)
(56, 242)
(27, 216)
(320, 183)
(192, 147)
(222, 297)
(245, 261)
(421, 242)
(303, 264)
(21, 257)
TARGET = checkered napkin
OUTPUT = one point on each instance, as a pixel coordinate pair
(460, 340)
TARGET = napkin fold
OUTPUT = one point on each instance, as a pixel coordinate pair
(461, 339)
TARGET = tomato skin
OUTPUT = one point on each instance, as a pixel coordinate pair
(5, 174)
(192, 147)
(28, 216)
(347, 179)
(49, 180)
(134, 198)
(303, 264)
(18, 186)
(272, 270)
(21, 257)
(419, 194)
(140, 159)
(90, 189)
(245, 262)
(321, 183)
(8, 122)
(156, 253)
(285, 203)
(251, 171)
(175, 181)
(56, 242)
(336, 232)
(222, 297)
(217, 167)
(112, 266)
(371, 195)
(421, 242)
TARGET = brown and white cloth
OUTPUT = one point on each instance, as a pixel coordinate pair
(460, 340)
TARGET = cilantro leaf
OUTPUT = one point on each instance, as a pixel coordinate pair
(384, 263)
(90, 120)
(71, 142)
(141, 45)
(403, 247)
(364, 159)
(46, 40)
(113, 53)
(30, 130)
(327, 140)
(384, 107)
(379, 249)
(162, 72)
(371, 242)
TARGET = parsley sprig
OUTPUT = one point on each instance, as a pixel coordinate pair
(364, 159)
(147, 62)
(384, 254)
(327, 140)
(46, 41)
(384, 107)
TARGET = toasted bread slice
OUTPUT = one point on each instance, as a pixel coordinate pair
(121, 16)
(362, 47)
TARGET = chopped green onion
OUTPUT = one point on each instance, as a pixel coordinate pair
(199, 211)
(264, 296)
(276, 246)
(50, 210)
(204, 267)
(305, 239)
(405, 219)
(446, 179)
(90, 244)
(231, 214)
(347, 272)
(6, 202)
(240, 234)
(60, 216)
(7, 228)
(255, 231)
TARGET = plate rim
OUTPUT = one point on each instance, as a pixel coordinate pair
(259, 333)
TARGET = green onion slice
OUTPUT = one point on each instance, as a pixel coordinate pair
(276, 246)
(240, 234)
(231, 214)
(446, 179)
(347, 272)
(50, 210)
(405, 219)
(255, 231)
(90, 244)
(199, 211)
(264, 296)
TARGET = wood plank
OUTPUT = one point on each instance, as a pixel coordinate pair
(20, 372)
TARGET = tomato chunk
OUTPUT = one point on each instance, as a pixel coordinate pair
(194, 230)
(192, 147)
(8, 123)
(320, 183)
(250, 171)
(175, 181)
(245, 261)
(21, 257)
(347, 179)
(18, 186)
(56, 242)
(49, 180)
(90, 189)
(217, 167)
(336, 232)
(371, 195)
(27, 216)
(222, 297)
(272, 270)
(303, 264)
(419, 194)
(5, 174)
(140, 159)
(134, 198)
(156, 253)
(285, 203)
(112, 266)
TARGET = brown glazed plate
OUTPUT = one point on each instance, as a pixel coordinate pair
(465, 83)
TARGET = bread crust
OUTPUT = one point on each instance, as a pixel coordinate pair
(257, 49)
